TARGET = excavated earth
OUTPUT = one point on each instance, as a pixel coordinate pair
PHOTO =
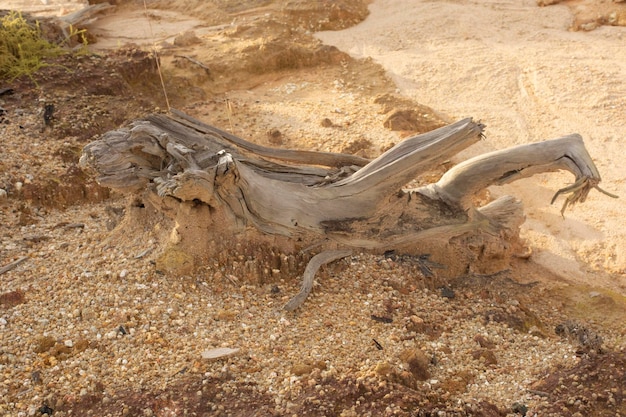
(92, 322)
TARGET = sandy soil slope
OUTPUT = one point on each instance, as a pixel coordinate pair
(520, 70)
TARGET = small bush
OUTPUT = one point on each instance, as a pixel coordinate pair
(22, 47)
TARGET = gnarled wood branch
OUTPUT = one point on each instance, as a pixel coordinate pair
(305, 196)
(502, 167)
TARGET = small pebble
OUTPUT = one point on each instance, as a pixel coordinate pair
(447, 292)
(218, 353)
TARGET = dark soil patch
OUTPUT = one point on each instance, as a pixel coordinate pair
(594, 387)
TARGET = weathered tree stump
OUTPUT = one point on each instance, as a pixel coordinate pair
(259, 211)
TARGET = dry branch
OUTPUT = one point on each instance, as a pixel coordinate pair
(84, 15)
(12, 265)
(309, 274)
(460, 183)
(302, 197)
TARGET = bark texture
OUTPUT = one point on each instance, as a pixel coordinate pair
(224, 195)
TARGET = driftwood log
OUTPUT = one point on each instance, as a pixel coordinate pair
(264, 210)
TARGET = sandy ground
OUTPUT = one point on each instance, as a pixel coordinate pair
(520, 70)
(514, 66)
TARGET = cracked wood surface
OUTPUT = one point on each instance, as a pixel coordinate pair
(310, 197)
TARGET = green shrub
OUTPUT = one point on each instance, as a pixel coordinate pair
(22, 47)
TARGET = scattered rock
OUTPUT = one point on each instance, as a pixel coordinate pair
(187, 39)
(44, 409)
(275, 136)
(326, 122)
(447, 292)
(519, 408)
(587, 339)
(81, 345)
(35, 376)
(383, 369)
(43, 344)
(458, 383)
(484, 342)
(60, 351)
(417, 362)
(301, 369)
(486, 355)
(218, 353)
(226, 315)
(12, 298)
(416, 324)
(87, 314)
(48, 114)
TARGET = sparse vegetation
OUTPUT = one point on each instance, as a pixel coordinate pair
(80, 36)
(22, 47)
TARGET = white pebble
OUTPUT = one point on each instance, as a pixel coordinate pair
(68, 343)
(123, 273)
(3, 321)
(218, 353)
